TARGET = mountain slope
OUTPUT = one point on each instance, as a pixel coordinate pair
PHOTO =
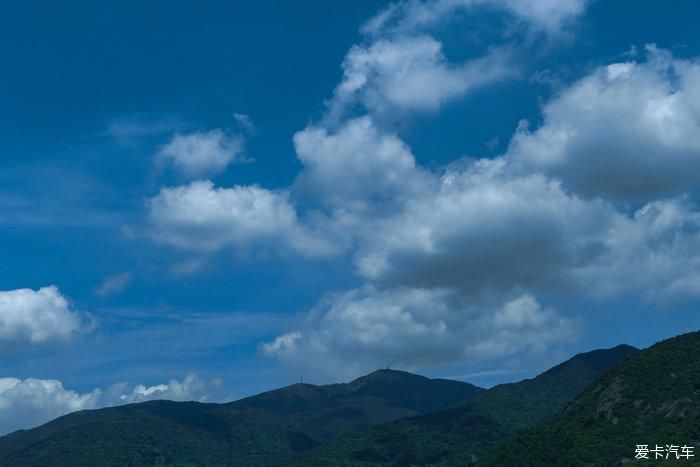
(155, 433)
(651, 398)
(462, 434)
(253, 431)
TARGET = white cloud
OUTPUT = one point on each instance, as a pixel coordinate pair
(651, 253)
(402, 68)
(545, 219)
(549, 16)
(201, 217)
(544, 16)
(202, 154)
(357, 168)
(365, 329)
(596, 201)
(281, 343)
(189, 265)
(484, 230)
(352, 167)
(191, 388)
(29, 317)
(411, 73)
(245, 122)
(629, 131)
(31, 402)
(113, 284)
(129, 130)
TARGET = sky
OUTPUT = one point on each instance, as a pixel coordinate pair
(205, 201)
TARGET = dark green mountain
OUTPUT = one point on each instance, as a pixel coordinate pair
(386, 418)
(327, 411)
(463, 434)
(156, 433)
(651, 398)
(257, 430)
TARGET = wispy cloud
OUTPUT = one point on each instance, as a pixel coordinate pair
(113, 284)
(130, 130)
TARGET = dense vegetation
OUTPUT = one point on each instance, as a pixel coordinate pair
(462, 434)
(652, 398)
(253, 431)
(153, 433)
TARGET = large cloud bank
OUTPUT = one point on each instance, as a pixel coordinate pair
(458, 263)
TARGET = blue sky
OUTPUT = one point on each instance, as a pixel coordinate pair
(247, 193)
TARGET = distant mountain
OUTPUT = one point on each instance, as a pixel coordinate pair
(156, 433)
(651, 398)
(381, 396)
(258, 430)
(397, 418)
(463, 434)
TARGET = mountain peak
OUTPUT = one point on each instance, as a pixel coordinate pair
(457, 434)
(597, 360)
(389, 374)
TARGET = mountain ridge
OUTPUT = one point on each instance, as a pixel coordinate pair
(461, 434)
(651, 398)
(384, 417)
(256, 430)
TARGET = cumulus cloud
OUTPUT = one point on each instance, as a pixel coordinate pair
(30, 317)
(483, 230)
(31, 402)
(402, 68)
(113, 284)
(351, 165)
(594, 202)
(410, 327)
(403, 73)
(356, 168)
(191, 388)
(628, 131)
(202, 154)
(486, 230)
(201, 217)
(597, 201)
(651, 253)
